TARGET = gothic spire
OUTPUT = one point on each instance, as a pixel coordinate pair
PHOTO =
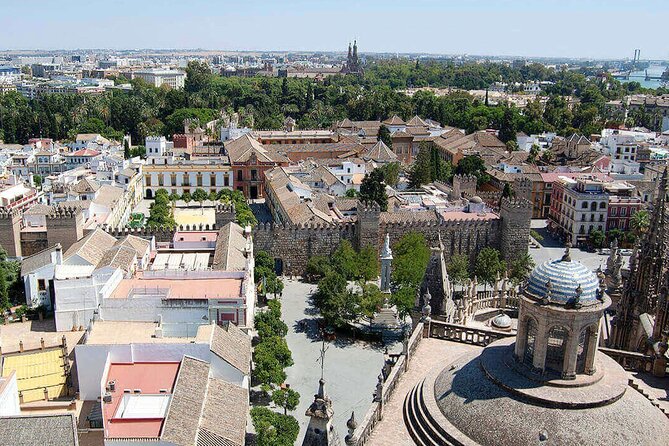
(647, 269)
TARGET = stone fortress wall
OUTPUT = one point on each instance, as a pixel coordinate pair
(292, 246)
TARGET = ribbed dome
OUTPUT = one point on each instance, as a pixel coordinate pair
(565, 277)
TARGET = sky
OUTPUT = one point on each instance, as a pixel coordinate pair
(531, 28)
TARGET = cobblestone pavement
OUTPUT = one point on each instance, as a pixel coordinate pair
(430, 353)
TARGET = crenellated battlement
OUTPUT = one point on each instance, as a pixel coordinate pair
(60, 212)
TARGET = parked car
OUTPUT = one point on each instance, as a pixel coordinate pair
(626, 252)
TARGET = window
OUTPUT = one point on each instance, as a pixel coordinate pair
(584, 205)
(602, 205)
(199, 179)
(212, 179)
(623, 212)
(254, 175)
(557, 342)
(41, 285)
(226, 181)
(614, 212)
(240, 175)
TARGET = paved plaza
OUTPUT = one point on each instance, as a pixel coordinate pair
(351, 367)
(552, 249)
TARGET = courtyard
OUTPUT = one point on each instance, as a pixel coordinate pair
(351, 366)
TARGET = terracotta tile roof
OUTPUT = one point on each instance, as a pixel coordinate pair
(86, 185)
(223, 419)
(232, 345)
(36, 261)
(183, 416)
(416, 121)
(205, 411)
(119, 256)
(92, 247)
(380, 152)
(241, 149)
(38, 209)
(84, 152)
(395, 120)
(39, 430)
(230, 248)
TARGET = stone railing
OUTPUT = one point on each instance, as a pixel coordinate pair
(393, 369)
(631, 361)
(461, 333)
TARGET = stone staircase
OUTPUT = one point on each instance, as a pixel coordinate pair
(640, 387)
(421, 426)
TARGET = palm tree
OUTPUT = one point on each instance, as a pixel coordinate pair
(640, 222)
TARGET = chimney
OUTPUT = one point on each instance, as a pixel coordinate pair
(46, 394)
(21, 346)
(58, 255)
(41, 343)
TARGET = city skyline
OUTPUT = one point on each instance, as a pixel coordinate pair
(589, 29)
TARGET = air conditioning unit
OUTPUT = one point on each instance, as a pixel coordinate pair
(107, 398)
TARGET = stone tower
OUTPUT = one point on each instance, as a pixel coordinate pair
(320, 431)
(516, 215)
(523, 188)
(464, 185)
(386, 260)
(368, 224)
(224, 214)
(10, 231)
(64, 225)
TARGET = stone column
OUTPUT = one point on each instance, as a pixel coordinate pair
(521, 339)
(591, 344)
(570, 356)
(540, 346)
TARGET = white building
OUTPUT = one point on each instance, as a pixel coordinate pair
(157, 77)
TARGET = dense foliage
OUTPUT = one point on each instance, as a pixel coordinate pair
(271, 355)
(266, 102)
(411, 256)
(161, 213)
(274, 429)
(337, 303)
(265, 276)
(11, 286)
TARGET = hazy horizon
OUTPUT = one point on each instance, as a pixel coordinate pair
(586, 29)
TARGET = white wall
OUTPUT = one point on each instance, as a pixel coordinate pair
(9, 398)
(97, 358)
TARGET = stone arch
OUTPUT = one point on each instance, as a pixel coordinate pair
(556, 347)
(531, 330)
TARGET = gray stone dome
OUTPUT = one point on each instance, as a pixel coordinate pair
(502, 321)
(479, 401)
(564, 279)
(475, 199)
